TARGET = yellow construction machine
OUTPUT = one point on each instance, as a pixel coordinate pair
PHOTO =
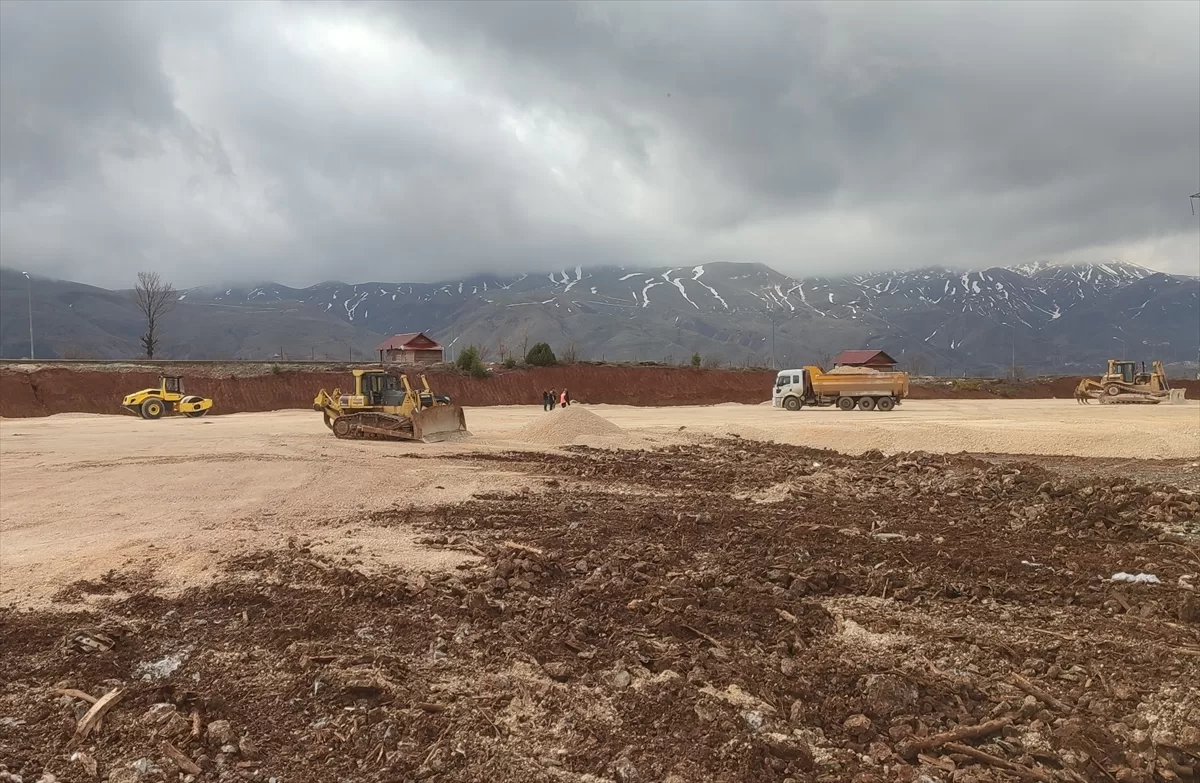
(1124, 384)
(167, 398)
(384, 406)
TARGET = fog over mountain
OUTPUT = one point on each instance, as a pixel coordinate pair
(423, 142)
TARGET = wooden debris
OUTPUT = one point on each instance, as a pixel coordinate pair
(95, 715)
(181, 759)
(429, 706)
(1020, 770)
(76, 694)
(524, 548)
(1039, 694)
(910, 748)
(704, 636)
(197, 724)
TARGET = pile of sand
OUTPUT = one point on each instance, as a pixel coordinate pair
(847, 369)
(566, 425)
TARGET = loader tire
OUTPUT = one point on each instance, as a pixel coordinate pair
(866, 403)
(885, 404)
(153, 408)
(792, 403)
(845, 403)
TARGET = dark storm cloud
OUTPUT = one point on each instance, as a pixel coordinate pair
(420, 141)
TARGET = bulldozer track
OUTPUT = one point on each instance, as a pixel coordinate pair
(373, 426)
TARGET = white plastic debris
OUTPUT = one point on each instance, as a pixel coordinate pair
(1031, 564)
(1146, 579)
(164, 667)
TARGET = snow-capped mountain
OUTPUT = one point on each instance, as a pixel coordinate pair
(938, 319)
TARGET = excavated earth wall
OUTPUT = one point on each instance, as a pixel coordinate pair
(44, 390)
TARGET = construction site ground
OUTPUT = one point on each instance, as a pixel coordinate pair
(719, 593)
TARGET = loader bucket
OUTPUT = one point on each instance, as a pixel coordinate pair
(440, 422)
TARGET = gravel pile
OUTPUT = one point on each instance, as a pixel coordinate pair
(566, 425)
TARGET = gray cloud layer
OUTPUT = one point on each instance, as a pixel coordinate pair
(420, 141)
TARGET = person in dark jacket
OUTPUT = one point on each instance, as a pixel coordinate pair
(567, 396)
(545, 400)
(551, 403)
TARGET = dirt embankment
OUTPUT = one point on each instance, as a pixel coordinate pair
(48, 390)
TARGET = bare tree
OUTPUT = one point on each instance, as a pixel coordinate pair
(524, 341)
(155, 298)
(570, 353)
(917, 365)
(825, 360)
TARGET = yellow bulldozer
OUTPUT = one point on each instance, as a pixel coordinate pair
(384, 406)
(1123, 384)
(167, 398)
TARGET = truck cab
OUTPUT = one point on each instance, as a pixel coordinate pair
(790, 389)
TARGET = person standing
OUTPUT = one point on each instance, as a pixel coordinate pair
(567, 396)
(545, 400)
(563, 398)
(552, 400)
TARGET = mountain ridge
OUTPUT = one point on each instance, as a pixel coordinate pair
(937, 318)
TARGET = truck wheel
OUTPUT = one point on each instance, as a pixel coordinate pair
(846, 403)
(152, 408)
(792, 403)
(885, 403)
(866, 403)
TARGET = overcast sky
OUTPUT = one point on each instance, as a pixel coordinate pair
(415, 142)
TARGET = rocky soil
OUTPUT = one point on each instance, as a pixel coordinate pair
(738, 612)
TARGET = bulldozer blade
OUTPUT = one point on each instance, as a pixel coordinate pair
(439, 423)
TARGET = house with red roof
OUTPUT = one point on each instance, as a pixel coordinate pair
(865, 357)
(412, 348)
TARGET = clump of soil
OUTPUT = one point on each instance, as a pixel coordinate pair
(751, 612)
(563, 426)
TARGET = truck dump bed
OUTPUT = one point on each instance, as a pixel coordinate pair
(865, 384)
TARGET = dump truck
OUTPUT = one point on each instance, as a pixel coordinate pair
(383, 406)
(847, 388)
(1123, 384)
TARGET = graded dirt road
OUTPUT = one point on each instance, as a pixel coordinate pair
(82, 494)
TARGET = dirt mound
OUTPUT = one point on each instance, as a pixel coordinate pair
(563, 426)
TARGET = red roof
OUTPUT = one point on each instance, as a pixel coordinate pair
(413, 341)
(863, 356)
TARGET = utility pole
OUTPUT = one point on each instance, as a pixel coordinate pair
(30, 281)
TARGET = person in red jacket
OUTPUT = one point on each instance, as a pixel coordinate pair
(563, 398)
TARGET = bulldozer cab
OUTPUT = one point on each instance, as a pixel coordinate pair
(379, 388)
(1124, 370)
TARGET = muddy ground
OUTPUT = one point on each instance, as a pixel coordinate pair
(738, 611)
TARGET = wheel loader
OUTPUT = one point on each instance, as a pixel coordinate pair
(1123, 384)
(384, 406)
(167, 398)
